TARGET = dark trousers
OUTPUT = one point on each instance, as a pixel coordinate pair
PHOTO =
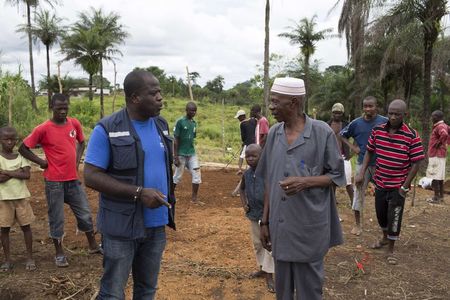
(294, 280)
(389, 207)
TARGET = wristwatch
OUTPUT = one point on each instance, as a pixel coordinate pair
(261, 223)
(404, 189)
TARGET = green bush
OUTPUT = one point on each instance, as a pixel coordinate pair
(85, 111)
(24, 119)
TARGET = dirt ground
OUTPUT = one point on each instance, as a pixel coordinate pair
(210, 255)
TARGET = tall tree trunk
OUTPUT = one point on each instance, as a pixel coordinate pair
(91, 96)
(102, 109)
(30, 52)
(59, 77)
(115, 87)
(11, 93)
(307, 84)
(385, 88)
(358, 83)
(427, 59)
(49, 93)
(443, 90)
(407, 86)
(191, 96)
(266, 56)
(357, 44)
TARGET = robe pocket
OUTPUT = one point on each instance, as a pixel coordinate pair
(306, 171)
(123, 150)
(311, 242)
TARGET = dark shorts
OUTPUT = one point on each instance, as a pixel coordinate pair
(72, 193)
(389, 206)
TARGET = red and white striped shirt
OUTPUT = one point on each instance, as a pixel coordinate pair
(394, 154)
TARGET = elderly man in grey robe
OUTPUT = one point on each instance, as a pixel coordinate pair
(301, 165)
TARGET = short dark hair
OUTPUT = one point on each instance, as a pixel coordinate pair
(439, 114)
(191, 104)
(7, 128)
(58, 97)
(371, 98)
(256, 108)
(134, 81)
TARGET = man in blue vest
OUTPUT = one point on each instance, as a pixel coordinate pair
(128, 160)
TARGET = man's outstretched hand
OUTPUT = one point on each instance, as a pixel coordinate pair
(153, 198)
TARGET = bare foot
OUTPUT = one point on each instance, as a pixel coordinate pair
(380, 244)
(197, 202)
(257, 274)
(269, 282)
(356, 230)
(30, 265)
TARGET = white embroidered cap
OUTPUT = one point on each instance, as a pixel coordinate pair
(288, 86)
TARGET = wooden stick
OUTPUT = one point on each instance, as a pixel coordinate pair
(189, 84)
(414, 192)
(77, 292)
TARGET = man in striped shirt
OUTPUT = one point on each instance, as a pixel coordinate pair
(398, 151)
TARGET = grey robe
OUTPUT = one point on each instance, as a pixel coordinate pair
(304, 226)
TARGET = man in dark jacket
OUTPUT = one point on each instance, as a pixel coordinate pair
(129, 161)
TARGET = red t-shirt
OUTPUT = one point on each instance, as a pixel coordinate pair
(437, 146)
(262, 127)
(59, 144)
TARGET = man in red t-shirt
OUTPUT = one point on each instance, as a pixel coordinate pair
(262, 126)
(62, 140)
(437, 155)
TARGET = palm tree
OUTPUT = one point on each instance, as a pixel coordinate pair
(352, 22)
(47, 30)
(429, 13)
(266, 55)
(303, 33)
(82, 46)
(30, 4)
(109, 33)
(173, 80)
(394, 53)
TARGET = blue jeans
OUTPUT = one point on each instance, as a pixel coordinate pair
(141, 256)
(70, 192)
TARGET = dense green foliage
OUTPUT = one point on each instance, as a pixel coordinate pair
(14, 89)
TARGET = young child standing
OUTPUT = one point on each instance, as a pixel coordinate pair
(252, 197)
(14, 206)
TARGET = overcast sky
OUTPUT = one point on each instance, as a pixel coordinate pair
(212, 37)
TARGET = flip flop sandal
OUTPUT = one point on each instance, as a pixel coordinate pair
(392, 260)
(6, 267)
(433, 200)
(98, 250)
(61, 262)
(30, 266)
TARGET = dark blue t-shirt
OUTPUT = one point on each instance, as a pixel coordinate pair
(359, 129)
(155, 172)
